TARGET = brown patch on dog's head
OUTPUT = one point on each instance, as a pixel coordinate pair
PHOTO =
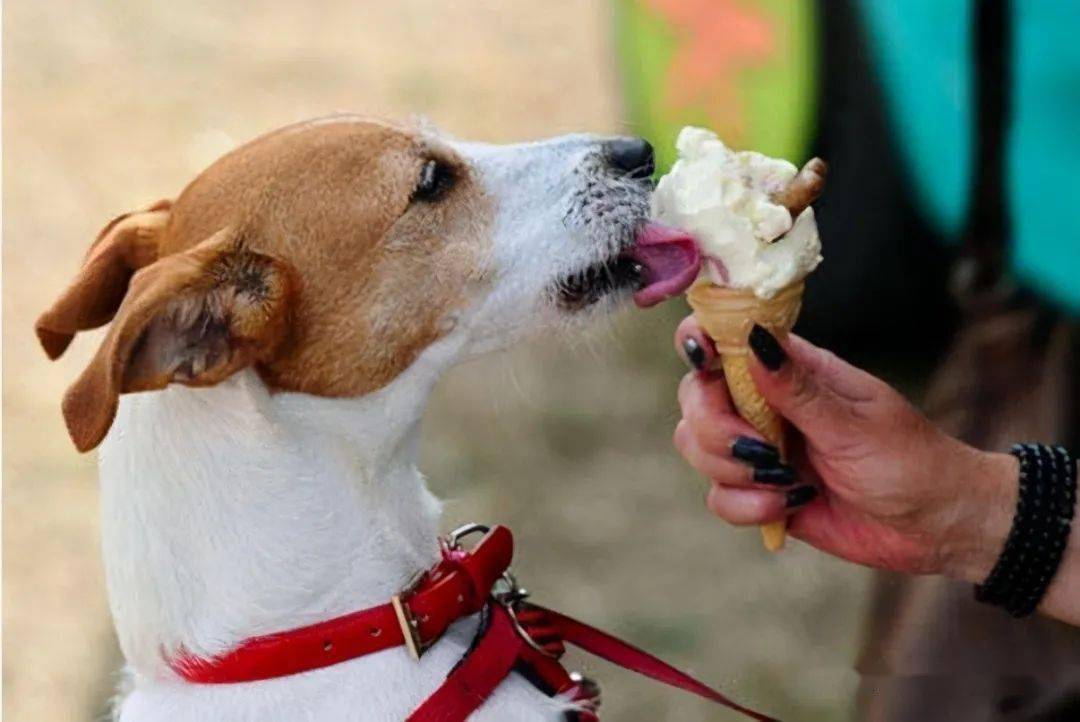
(327, 254)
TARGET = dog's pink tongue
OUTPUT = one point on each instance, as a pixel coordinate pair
(670, 259)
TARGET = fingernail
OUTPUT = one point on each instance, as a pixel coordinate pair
(781, 475)
(800, 496)
(767, 348)
(694, 354)
(755, 451)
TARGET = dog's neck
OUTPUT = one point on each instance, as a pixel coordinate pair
(230, 512)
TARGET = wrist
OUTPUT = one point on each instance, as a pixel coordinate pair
(984, 515)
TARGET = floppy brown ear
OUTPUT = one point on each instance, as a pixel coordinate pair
(194, 318)
(125, 245)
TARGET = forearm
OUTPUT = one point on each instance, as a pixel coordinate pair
(1062, 600)
(986, 520)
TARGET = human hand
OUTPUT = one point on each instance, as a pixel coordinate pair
(893, 490)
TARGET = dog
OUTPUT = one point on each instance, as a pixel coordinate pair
(284, 320)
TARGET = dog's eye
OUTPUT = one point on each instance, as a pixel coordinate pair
(435, 180)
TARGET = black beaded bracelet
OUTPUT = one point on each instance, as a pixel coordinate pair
(1044, 511)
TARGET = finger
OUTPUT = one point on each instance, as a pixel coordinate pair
(694, 345)
(797, 381)
(840, 377)
(717, 431)
(765, 470)
(720, 469)
(705, 401)
(744, 507)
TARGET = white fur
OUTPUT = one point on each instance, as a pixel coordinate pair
(230, 512)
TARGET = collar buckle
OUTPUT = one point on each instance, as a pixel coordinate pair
(410, 628)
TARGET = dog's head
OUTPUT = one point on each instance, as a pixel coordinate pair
(329, 255)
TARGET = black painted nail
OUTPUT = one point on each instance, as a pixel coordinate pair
(780, 475)
(800, 496)
(767, 348)
(755, 451)
(694, 353)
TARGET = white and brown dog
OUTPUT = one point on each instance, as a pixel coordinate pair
(288, 316)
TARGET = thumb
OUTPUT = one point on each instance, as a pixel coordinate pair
(819, 393)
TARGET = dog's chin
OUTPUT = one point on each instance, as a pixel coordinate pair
(601, 286)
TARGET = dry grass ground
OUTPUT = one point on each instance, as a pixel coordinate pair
(110, 104)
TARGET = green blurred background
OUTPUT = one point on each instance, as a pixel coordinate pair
(111, 104)
(745, 69)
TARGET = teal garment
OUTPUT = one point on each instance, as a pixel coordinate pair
(923, 49)
(1044, 151)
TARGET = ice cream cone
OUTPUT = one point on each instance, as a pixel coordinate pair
(728, 314)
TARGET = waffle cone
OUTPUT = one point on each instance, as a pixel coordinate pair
(727, 315)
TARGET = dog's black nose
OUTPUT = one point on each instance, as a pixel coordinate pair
(632, 156)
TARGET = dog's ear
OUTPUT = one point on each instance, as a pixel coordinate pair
(194, 318)
(125, 245)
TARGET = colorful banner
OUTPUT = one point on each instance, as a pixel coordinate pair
(745, 68)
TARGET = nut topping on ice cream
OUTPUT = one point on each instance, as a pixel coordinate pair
(736, 205)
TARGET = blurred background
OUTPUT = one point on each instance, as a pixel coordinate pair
(108, 105)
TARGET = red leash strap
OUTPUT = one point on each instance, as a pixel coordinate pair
(627, 656)
(470, 683)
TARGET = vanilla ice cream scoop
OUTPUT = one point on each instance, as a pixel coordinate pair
(749, 213)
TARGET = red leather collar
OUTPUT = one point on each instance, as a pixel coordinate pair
(459, 585)
(515, 636)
